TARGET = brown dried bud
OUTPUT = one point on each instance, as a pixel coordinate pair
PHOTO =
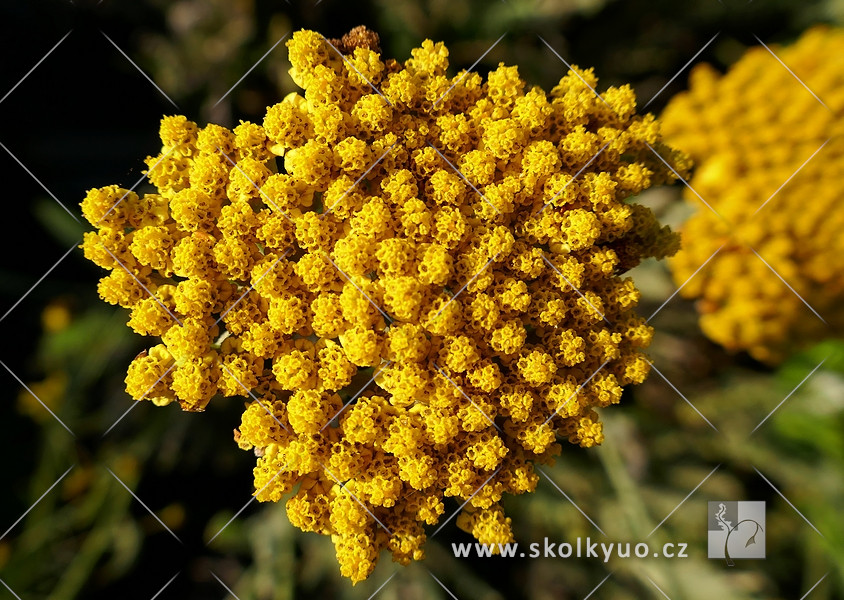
(359, 37)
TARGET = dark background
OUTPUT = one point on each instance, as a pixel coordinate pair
(86, 118)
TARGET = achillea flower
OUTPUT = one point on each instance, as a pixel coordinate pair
(749, 131)
(338, 243)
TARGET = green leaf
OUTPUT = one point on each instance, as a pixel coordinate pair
(58, 222)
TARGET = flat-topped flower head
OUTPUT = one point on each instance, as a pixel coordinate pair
(417, 230)
(751, 133)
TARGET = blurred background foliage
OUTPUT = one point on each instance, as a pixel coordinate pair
(86, 118)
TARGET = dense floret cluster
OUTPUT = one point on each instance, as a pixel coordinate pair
(749, 132)
(403, 273)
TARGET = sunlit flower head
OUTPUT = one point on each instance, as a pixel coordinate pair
(402, 273)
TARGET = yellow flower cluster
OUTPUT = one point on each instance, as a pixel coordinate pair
(402, 271)
(749, 132)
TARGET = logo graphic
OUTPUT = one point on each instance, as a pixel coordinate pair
(736, 530)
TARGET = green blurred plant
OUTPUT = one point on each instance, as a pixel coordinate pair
(89, 538)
